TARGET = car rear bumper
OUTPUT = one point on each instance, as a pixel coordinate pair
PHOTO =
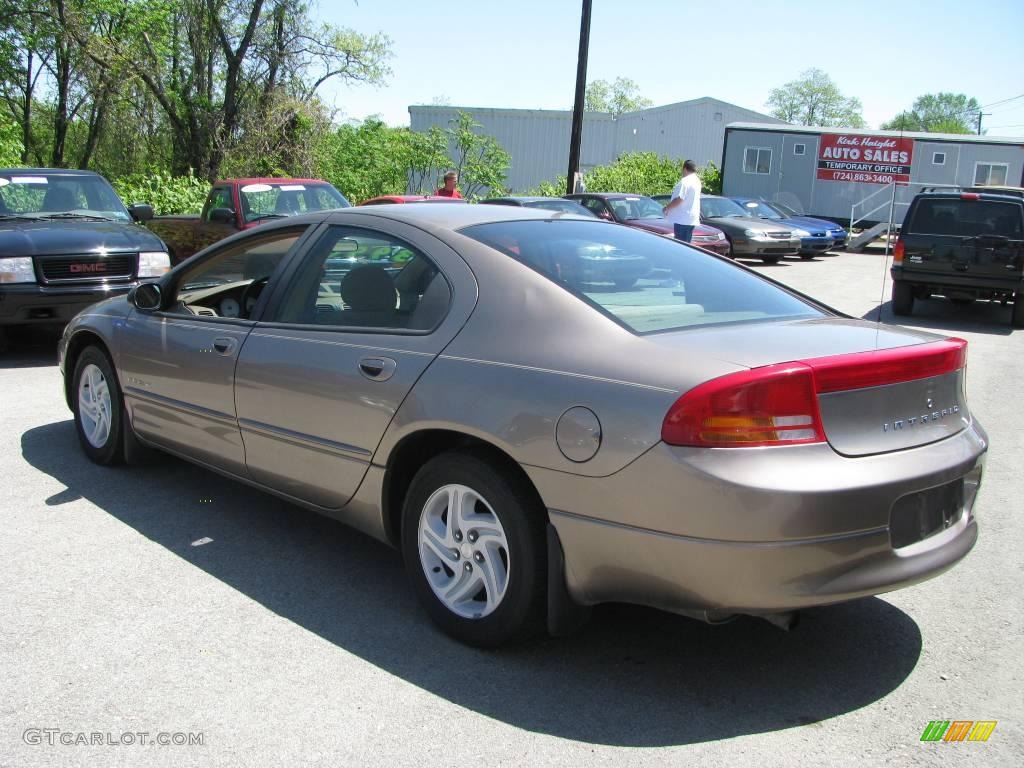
(37, 304)
(938, 281)
(690, 529)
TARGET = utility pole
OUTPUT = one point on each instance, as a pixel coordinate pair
(979, 122)
(576, 136)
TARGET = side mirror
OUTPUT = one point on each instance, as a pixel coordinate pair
(141, 211)
(222, 215)
(146, 296)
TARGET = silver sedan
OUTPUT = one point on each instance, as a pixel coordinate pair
(481, 388)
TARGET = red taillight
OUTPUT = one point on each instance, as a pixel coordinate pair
(970, 196)
(897, 254)
(778, 404)
(887, 366)
(773, 405)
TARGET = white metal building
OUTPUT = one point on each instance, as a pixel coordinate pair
(538, 139)
(847, 174)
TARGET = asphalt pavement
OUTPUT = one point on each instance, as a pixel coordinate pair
(167, 603)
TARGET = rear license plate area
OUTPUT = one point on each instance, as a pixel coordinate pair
(919, 515)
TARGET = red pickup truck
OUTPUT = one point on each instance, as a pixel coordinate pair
(237, 204)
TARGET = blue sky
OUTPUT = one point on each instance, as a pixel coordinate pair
(522, 53)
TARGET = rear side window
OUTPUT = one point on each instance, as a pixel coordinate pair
(966, 218)
(643, 281)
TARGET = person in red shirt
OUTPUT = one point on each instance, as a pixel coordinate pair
(448, 190)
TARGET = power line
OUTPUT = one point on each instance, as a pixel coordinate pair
(1002, 101)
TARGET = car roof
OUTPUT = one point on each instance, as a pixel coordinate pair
(523, 198)
(269, 180)
(49, 171)
(606, 195)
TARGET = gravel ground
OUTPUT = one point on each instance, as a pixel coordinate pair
(167, 600)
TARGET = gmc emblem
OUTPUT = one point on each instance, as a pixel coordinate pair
(98, 267)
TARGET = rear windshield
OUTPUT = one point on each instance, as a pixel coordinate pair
(646, 282)
(966, 218)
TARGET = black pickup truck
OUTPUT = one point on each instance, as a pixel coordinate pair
(963, 245)
(66, 242)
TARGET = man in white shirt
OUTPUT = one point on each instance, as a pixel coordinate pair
(683, 210)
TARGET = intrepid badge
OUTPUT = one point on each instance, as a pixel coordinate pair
(918, 421)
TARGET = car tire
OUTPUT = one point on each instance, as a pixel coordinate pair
(98, 408)
(771, 259)
(807, 256)
(1017, 311)
(902, 298)
(483, 577)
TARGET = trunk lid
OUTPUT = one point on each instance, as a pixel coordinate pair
(880, 388)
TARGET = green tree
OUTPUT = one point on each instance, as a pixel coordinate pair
(814, 99)
(639, 173)
(216, 66)
(938, 113)
(618, 97)
(480, 161)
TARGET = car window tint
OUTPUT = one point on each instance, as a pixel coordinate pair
(645, 282)
(359, 278)
(229, 272)
(966, 218)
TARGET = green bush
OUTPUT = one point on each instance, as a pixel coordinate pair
(166, 193)
(638, 173)
(10, 143)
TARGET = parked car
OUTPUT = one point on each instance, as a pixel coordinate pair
(814, 238)
(836, 231)
(235, 205)
(646, 213)
(534, 444)
(389, 199)
(964, 246)
(67, 241)
(547, 203)
(749, 236)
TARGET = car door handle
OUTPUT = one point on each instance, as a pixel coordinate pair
(377, 368)
(225, 345)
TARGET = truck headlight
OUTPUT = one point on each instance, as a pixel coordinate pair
(17, 269)
(154, 263)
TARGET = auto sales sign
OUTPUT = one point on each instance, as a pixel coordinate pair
(867, 159)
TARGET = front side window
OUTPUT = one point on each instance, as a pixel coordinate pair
(595, 204)
(634, 208)
(757, 160)
(229, 283)
(360, 278)
(644, 282)
(38, 194)
(220, 197)
(990, 174)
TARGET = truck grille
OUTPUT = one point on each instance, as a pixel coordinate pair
(87, 268)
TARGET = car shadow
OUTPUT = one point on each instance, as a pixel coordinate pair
(753, 261)
(943, 315)
(632, 677)
(28, 347)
